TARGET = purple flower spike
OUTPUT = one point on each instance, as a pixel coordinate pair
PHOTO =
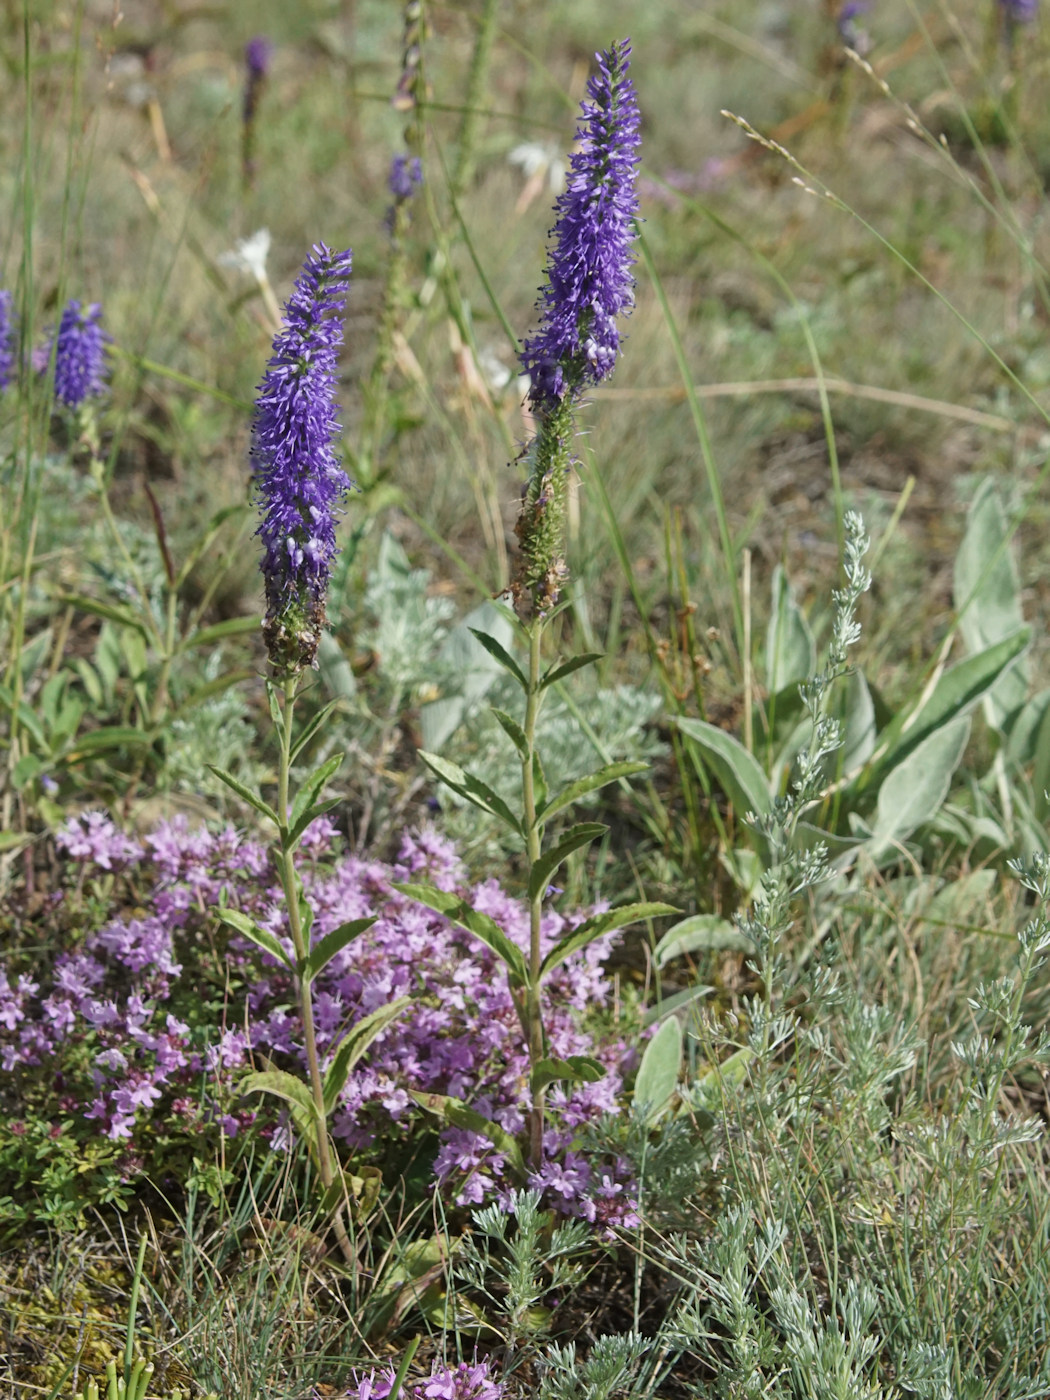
(257, 55)
(589, 280)
(80, 365)
(297, 476)
(7, 340)
(1020, 11)
(406, 175)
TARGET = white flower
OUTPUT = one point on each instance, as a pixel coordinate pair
(249, 255)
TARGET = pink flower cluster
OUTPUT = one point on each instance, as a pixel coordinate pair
(121, 986)
(462, 1382)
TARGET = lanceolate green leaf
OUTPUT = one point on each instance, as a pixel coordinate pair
(261, 937)
(310, 729)
(355, 1043)
(700, 933)
(326, 948)
(599, 924)
(457, 1113)
(311, 788)
(246, 793)
(114, 612)
(470, 787)
(575, 663)
(513, 731)
(574, 838)
(599, 779)
(220, 631)
(954, 695)
(912, 793)
(738, 771)
(499, 653)
(577, 1068)
(286, 1086)
(460, 912)
(658, 1073)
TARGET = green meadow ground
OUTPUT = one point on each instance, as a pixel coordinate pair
(857, 323)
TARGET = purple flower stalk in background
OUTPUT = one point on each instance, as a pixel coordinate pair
(7, 340)
(1020, 11)
(589, 280)
(297, 476)
(257, 55)
(406, 175)
(80, 364)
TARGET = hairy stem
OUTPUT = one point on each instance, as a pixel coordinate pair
(534, 836)
(290, 885)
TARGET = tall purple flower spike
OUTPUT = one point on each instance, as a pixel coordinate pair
(7, 340)
(80, 355)
(1020, 11)
(589, 280)
(297, 477)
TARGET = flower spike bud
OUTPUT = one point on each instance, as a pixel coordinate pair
(298, 480)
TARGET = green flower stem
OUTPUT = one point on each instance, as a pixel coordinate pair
(290, 886)
(534, 835)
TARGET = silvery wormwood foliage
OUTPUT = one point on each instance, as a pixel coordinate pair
(80, 355)
(297, 476)
(589, 282)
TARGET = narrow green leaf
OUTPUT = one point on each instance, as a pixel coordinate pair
(204, 541)
(791, 655)
(499, 653)
(311, 788)
(261, 937)
(678, 1001)
(282, 1084)
(954, 695)
(914, 790)
(658, 1073)
(513, 731)
(326, 948)
(470, 787)
(10, 839)
(273, 700)
(579, 1069)
(457, 1113)
(219, 631)
(599, 924)
(354, 1044)
(575, 663)
(235, 784)
(574, 838)
(539, 786)
(210, 688)
(310, 729)
(110, 736)
(114, 612)
(599, 779)
(988, 595)
(311, 814)
(706, 1094)
(739, 772)
(700, 932)
(461, 913)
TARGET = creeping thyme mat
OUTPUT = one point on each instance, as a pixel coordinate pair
(141, 1026)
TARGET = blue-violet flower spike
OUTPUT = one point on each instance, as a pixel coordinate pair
(80, 355)
(7, 340)
(589, 280)
(1020, 11)
(298, 479)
